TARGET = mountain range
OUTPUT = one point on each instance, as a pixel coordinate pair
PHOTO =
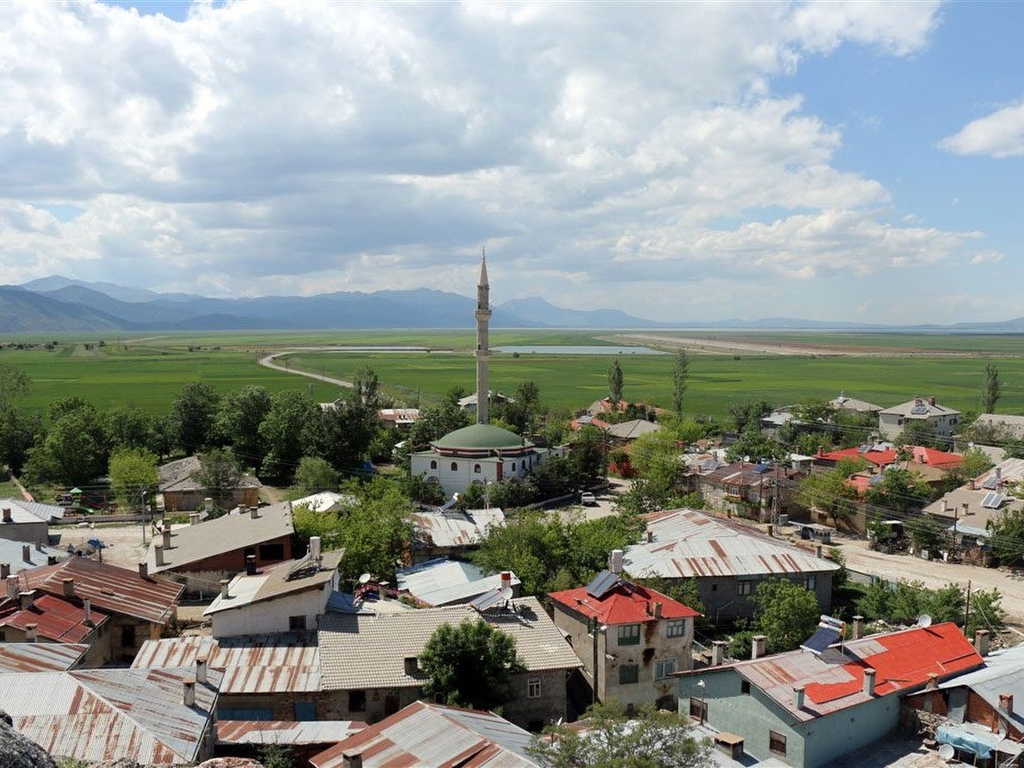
(61, 304)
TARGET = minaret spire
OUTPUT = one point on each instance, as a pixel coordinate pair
(483, 316)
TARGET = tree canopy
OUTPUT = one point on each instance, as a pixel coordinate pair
(785, 612)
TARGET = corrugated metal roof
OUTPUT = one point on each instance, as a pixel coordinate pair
(56, 619)
(13, 553)
(1003, 673)
(686, 544)
(260, 732)
(278, 663)
(40, 657)
(107, 714)
(109, 588)
(46, 512)
(430, 734)
(278, 580)
(456, 529)
(359, 651)
(446, 582)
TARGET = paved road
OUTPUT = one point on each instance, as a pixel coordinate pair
(268, 362)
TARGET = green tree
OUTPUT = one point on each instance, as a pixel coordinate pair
(900, 492)
(13, 384)
(132, 472)
(343, 434)
(753, 446)
(377, 532)
(434, 423)
(366, 388)
(986, 612)
(650, 738)
(785, 612)
(656, 457)
(219, 474)
(193, 414)
(314, 475)
(615, 384)
(991, 390)
(18, 433)
(749, 412)
(128, 426)
(587, 459)
(680, 379)
(287, 430)
(919, 432)
(238, 421)
(1007, 536)
(830, 492)
(74, 451)
(470, 665)
(925, 532)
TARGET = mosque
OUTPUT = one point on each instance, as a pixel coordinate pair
(481, 452)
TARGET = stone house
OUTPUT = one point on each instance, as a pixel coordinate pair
(183, 493)
(925, 411)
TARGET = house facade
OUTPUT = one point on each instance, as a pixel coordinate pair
(183, 493)
(943, 420)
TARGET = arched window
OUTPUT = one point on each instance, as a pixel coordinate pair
(455, 466)
(433, 463)
(476, 469)
(513, 466)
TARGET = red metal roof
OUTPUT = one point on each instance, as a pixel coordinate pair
(108, 587)
(626, 603)
(56, 619)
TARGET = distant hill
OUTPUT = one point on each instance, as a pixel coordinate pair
(541, 312)
(22, 311)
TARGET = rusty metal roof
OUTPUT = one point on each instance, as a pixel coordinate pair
(286, 662)
(260, 732)
(109, 588)
(107, 714)
(56, 619)
(40, 657)
(431, 734)
(456, 529)
(685, 544)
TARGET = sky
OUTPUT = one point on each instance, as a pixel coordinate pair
(838, 161)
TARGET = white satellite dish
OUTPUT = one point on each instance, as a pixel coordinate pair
(946, 752)
(365, 578)
(924, 620)
(506, 592)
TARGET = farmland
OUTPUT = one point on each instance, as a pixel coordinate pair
(780, 368)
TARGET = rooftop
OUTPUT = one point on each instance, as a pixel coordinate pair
(260, 732)
(919, 408)
(443, 581)
(15, 555)
(56, 619)
(622, 603)
(478, 437)
(40, 657)
(632, 429)
(326, 501)
(272, 582)
(1003, 673)
(45, 512)
(456, 529)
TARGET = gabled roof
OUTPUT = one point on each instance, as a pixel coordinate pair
(432, 734)
(283, 662)
(443, 581)
(108, 588)
(272, 582)
(835, 680)
(40, 657)
(361, 651)
(632, 429)
(326, 501)
(177, 476)
(228, 533)
(456, 529)
(624, 603)
(56, 619)
(919, 408)
(1012, 425)
(844, 403)
(1003, 673)
(45, 512)
(881, 458)
(13, 553)
(107, 714)
(686, 543)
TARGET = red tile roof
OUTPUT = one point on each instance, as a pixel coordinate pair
(879, 458)
(626, 603)
(936, 458)
(57, 619)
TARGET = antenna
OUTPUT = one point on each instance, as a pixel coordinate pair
(924, 620)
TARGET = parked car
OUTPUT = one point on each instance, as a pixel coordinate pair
(588, 499)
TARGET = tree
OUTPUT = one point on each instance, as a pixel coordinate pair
(343, 434)
(366, 388)
(587, 458)
(238, 423)
(1007, 536)
(128, 426)
(314, 475)
(649, 739)
(985, 612)
(132, 472)
(18, 433)
(287, 431)
(13, 384)
(656, 456)
(376, 533)
(754, 446)
(437, 422)
(900, 492)
(830, 492)
(925, 532)
(785, 612)
(919, 432)
(680, 376)
(219, 474)
(470, 665)
(615, 384)
(749, 412)
(74, 451)
(991, 390)
(193, 413)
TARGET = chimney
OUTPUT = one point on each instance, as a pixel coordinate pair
(967, 508)
(817, 551)
(193, 518)
(87, 610)
(858, 627)
(254, 513)
(352, 760)
(717, 653)
(26, 599)
(918, 401)
(617, 555)
(999, 473)
(250, 565)
(143, 571)
(69, 587)
(188, 697)
(649, 534)
(201, 669)
(158, 554)
(771, 529)
(869, 681)
(933, 681)
(798, 697)
(1006, 704)
(655, 610)
(12, 588)
(166, 537)
(7, 515)
(412, 665)
(26, 553)
(506, 580)
(314, 548)
(981, 642)
(5, 570)
(208, 504)
(224, 588)
(758, 646)
(931, 401)
(32, 633)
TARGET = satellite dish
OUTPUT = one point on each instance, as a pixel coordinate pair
(924, 620)
(506, 592)
(365, 578)
(455, 496)
(946, 752)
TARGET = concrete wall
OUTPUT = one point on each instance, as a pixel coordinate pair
(232, 562)
(33, 533)
(890, 425)
(723, 600)
(269, 616)
(189, 501)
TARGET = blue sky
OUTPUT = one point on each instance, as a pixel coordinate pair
(834, 161)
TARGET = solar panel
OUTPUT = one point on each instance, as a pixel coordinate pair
(919, 410)
(990, 484)
(760, 469)
(601, 584)
(488, 599)
(830, 631)
(993, 499)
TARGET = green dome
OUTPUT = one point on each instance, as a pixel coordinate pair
(480, 437)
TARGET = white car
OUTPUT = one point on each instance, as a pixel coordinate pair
(588, 499)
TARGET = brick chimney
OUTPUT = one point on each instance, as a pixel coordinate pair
(32, 633)
(758, 646)
(717, 652)
(201, 669)
(26, 599)
(931, 401)
(7, 515)
(869, 681)
(12, 588)
(26, 553)
(858, 627)
(1006, 704)
(655, 609)
(188, 697)
(87, 610)
(5, 570)
(69, 587)
(933, 681)
(143, 570)
(981, 642)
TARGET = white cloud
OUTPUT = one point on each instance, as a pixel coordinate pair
(998, 135)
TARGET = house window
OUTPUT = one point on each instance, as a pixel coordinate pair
(305, 710)
(744, 686)
(296, 623)
(676, 628)
(776, 743)
(513, 466)
(698, 709)
(357, 701)
(664, 668)
(128, 636)
(533, 688)
(433, 463)
(271, 551)
(744, 587)
(455, 466)
(629, 673)
(476, 469)
(809, 582)
(629, 634)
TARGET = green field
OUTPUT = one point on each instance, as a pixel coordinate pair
(150, 371)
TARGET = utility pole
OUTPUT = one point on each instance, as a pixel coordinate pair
(967, 608)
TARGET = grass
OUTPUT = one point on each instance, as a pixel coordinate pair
(149, 371)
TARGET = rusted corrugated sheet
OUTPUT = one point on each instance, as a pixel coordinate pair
(40, 657)
(56, 619)
(286, 732)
